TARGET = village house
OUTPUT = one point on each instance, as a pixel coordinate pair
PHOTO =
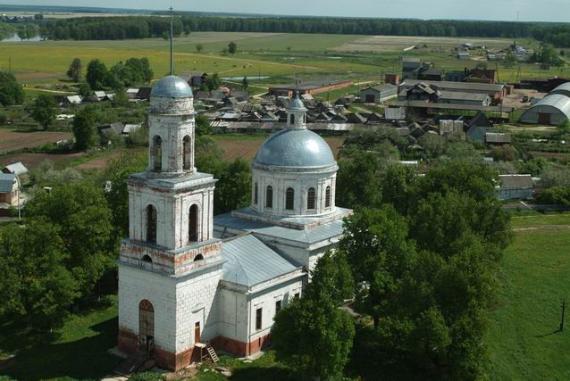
(378, 94)
(515, 187)
(9, 190)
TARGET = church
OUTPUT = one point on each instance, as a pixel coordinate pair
(189, 280)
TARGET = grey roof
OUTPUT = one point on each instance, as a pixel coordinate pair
(460, 95)
(447, 85)
(560, 102)
(17, 168)
(516, 181)
(307, 236)
(250, 262)
(565, 87)
(494, 137)
(7, 182)
(295, 148)
(172, 87)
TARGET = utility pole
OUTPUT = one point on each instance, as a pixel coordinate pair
(171, 41)
(563, 307)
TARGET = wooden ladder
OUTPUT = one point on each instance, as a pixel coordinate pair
(213, 354)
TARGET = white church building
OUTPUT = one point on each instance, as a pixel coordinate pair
(188, 280)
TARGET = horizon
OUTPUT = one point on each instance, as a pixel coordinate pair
(520, 10)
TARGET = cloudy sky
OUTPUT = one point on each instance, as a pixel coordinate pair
(527, 10)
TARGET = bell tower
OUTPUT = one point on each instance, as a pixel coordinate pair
(170, 264)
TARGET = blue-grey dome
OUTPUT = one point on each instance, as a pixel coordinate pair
(172, 87)
(295, 148)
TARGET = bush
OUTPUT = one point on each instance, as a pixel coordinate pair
(504, 153)
(3, 118)
(146, 376)
(555, 196)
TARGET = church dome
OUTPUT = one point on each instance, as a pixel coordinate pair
(171, 87)
(295, 148)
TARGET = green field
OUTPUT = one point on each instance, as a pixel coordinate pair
(277, 55)
(523, 340)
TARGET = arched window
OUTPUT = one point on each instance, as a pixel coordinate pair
(151, 224)
(199, 257)
(290, 199)
(186, 152)
(328, 197)
(311, 199)
(269, 197)
(255, 194)
(292, 119)
(156, 153)
(193, 224)
(147, 259)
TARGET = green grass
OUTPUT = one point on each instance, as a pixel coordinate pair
(523, 340)
(78, 349)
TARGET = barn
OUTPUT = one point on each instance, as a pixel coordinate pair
(378, 94)
(554, 109)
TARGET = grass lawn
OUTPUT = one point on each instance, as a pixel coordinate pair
(523, 340)
(78, 349)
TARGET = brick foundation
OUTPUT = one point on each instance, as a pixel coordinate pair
(128, 344)
(238, 348)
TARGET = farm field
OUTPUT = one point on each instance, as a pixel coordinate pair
(523, 340)
(259, 54)
(16, 140)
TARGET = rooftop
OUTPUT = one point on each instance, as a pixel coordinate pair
(171, 87)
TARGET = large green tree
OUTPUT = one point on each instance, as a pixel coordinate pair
(74, 71)
(84, 129)
(84, 220)
(36, 287)
(97, 75)
(44, 110)
(11, 92)
(233, 190)
(313, 335)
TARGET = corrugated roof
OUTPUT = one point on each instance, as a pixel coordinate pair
(560, 102)
(494, 137)
(459, 95)
(250, 262)
(563, 87)
(7, 181)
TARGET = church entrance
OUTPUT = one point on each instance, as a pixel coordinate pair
(197, 333)
(146, 326)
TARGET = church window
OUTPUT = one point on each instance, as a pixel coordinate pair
(156, 154)
(151, 218)
(292, 119)
(193, 224)
(186, 154)
(258, 319)
(277, 306)
(199, 257)
(290, 199)
(311, 199)
(256, 194)
(269, 197)
(328, 197)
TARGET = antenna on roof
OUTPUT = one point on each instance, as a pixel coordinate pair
(171, 40)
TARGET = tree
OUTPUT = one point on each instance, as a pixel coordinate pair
(84, 129)
(203, 126)
(358, 182)
(312, 334)
(97, 75)
(199, 48)
(232, 48)
(510, 59)
(74, 71)
(244, 83)
(233, 190)
(213, 82)
(81, 214)
(85, 90)
(11, 92)
(44, 110)
(36, 287)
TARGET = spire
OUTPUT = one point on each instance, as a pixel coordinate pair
(171, 41)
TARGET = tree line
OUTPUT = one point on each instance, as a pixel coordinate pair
(117, 28)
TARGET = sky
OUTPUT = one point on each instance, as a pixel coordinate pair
(523, 10)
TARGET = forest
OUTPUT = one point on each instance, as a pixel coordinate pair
(116, 28)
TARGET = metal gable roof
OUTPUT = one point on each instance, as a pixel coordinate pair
(7, 181)
(17, 168)
(250, 262)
